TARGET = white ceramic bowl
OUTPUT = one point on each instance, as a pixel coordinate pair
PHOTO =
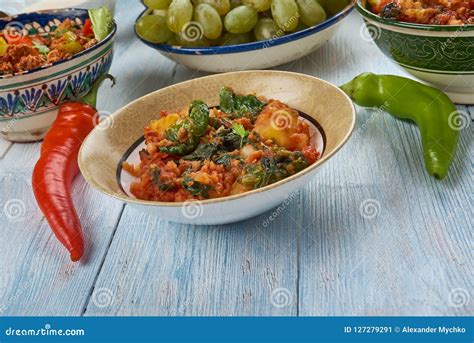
(326, 106)
(256, 55)
(29, 100)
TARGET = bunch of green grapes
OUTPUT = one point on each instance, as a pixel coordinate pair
(226, 22)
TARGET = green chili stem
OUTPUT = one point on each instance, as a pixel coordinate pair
(91, 97)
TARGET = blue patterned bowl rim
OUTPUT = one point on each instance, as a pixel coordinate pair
(229, 49)
(360, 6)
(47, 15)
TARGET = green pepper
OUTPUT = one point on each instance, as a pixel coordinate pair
(195, 125)
(71, 47)
(102, 22)
(428, 107)
(69, 36)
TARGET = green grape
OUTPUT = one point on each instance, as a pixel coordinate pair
(259, 5)
(173, 40)
(152, 28)
(285, 13)
(300, 26)
(179, 14)
(157, 4)
(311, 12)
(221, 6)
(160, 12)
(333, 7)
(183, 39)
(210, 21)
(241, 19)
(235, 39)
(266, 29)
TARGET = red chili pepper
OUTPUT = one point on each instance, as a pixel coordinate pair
(14, 40)
(87, 28)
(57, 167)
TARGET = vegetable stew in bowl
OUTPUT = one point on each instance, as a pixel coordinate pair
(21, 50)
(38, 42)
(200, 153)
(429, 12)
(264, 169)
(46, 59)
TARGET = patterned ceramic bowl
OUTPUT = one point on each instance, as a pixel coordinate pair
(29, 100)
(255, 55)
(440, 55)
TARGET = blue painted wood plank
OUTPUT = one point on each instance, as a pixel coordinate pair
(157, 268)
(4, 146)
(325, 253)
(349, 265)
(37, 277)
(381, 237)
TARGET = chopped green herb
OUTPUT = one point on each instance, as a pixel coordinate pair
(42, 49)
(240, 130)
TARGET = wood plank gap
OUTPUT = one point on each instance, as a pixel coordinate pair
(86, 303)
(5, 146)
(173, 72)
(298, 256)
(470, 109)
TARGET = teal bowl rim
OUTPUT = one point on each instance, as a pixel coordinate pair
(440, 28)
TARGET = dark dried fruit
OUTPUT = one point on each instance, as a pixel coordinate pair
(391, 11)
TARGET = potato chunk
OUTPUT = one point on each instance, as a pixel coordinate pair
(160, 126)
(280, 123)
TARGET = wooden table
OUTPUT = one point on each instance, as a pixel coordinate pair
(372, 234)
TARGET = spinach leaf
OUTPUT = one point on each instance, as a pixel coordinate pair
(195, 125)
(229, 140)
(155, 174)
(238, 106)
(196, 188)
(272, 169)
(226, 102)
(203, 152)
(225, 159)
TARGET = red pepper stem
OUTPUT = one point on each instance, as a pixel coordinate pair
(91, 97)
